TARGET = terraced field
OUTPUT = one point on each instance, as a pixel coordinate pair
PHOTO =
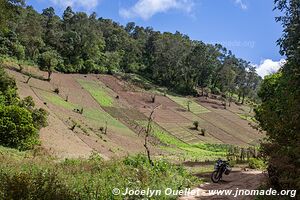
(108, 101)
(194, 107)
(97, 116)
(221, 125)
(98, 92)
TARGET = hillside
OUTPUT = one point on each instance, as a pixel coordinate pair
(109, 102)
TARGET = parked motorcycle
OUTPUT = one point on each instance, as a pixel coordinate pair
(221, 167)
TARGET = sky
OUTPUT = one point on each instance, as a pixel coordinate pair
(246, 27)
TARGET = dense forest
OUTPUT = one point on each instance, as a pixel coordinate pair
(82, 43)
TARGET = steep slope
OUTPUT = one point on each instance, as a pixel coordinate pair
(106, 114)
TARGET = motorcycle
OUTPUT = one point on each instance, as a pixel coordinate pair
(221, 167)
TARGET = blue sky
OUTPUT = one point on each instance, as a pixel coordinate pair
(247, 27)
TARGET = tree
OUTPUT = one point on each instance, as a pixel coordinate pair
(8, 89)
(8, 9)
(19, 51)
(227, 77)
(170, 51)
(30, 31)
(48, 61)
(52, 28)
(200, 64)
(16, 128)
(148, 132)
(279, 111)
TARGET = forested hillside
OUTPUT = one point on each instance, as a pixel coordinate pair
(80, 43)
(109, 112)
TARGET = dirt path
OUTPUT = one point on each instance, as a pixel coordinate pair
(248, 180)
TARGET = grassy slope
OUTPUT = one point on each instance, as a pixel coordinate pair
(34, 177)
(98, 92)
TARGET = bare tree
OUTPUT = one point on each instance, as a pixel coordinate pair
(148, 131)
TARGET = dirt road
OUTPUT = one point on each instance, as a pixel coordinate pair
(237, 179)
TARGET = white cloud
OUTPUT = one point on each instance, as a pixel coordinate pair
(241, 4)
(269, 66)
(85, 4)
(147, 8)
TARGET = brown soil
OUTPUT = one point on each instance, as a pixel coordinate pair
(132, 104)
(249, 180)
(222, 125)
(57, 138)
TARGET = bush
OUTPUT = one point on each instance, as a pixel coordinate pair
(39, 117)
(6, 82)
(56, 90)
(91, 178)
(196, 124)
(17, 128)
(256, 163)
(29, 185)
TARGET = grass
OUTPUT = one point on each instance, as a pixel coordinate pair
(98, 116)
(194, 107)
(11, 153)
(97, 92)
(247, 117)
(32, 177)
(103, 117)
(58, 101)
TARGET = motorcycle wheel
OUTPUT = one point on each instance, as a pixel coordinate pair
(215, 176)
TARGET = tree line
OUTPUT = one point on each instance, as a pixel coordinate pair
(82, 43)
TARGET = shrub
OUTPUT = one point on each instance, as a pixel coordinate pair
(29, 185)
(6, 82)
(196, 124)
(39, 117)
(91, 178)
(27, 102)
(17, 128)
(256, 163)
(56, 90)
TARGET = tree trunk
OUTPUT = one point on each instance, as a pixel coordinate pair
(148, 129)
(49, 75)
(243, 98)
(28, 79)
(147, 150)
